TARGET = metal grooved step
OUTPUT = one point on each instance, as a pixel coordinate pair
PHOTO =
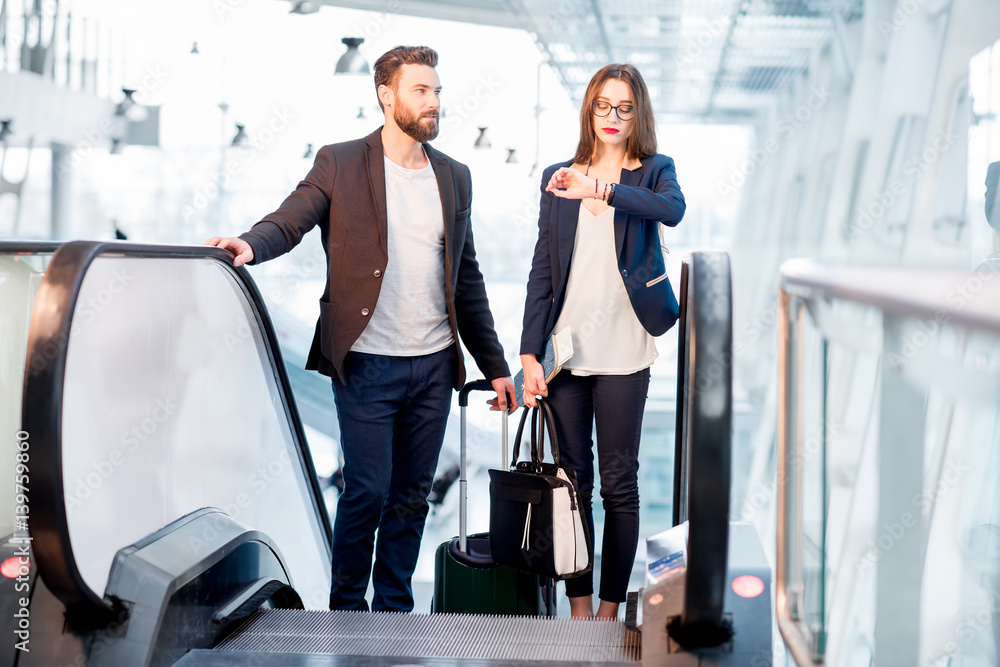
(436, 636)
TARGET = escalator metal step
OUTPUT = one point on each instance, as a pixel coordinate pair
(209, 658)
(466, 636)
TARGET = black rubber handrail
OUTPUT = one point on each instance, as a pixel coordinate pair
(28, 247)
(703, 446)
(680, 441)
(45, 368)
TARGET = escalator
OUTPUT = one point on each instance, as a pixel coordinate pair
(172, 508)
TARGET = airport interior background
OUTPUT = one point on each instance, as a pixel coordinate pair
(852, 136)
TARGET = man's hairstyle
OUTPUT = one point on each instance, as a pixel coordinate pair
(388, 64)
(642, 140)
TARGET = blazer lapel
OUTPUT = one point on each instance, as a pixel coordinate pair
(569, 216)
(375, 157)
(632, 178)
(446, 190)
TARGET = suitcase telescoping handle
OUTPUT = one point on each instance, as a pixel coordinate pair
(463, 483)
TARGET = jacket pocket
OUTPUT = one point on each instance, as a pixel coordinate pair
(657, 280)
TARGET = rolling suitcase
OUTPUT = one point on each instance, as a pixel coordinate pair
(466, 579)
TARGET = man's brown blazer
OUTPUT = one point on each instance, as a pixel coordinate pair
(344, 194)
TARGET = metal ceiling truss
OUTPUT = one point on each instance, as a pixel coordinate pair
(703, 60)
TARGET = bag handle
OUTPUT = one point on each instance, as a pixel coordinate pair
(538, 427)
(517, 440)
(550, 422)
(537, 456)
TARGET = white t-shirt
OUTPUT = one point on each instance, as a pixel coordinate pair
(608, 338)
(411, 316)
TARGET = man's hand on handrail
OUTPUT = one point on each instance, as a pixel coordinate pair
(235, 245)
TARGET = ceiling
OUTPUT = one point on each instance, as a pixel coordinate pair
(703, 60)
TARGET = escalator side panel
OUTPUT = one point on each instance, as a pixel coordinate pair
(123, 394)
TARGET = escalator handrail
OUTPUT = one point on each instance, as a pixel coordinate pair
(704, 418)
(680, 441)
(43, 392)
(29, 247)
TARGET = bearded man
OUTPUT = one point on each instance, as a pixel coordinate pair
(403, 286)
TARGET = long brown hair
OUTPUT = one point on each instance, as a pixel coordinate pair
(642, 141)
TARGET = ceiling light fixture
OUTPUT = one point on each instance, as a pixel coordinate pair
(352, 62)
(482, 141)
(241, 139)
(304, 7)
(130, 109)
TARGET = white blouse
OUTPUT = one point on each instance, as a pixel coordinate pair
(608, 338)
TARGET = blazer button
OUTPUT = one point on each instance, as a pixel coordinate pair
(378, 273)
(625, 273)
(364, 311)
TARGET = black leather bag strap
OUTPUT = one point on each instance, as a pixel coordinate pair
(517, 439)
(550, 423)
(537, 440)
(541, 420)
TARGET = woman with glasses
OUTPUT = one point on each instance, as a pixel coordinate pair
(598, 268)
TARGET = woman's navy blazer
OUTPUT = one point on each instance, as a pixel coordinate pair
(645, 198)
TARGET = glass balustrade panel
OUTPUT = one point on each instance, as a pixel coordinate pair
(840, 381)
(959, 503)
(20, 275)
(170, 404)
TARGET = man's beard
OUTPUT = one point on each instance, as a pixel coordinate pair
(410, 122)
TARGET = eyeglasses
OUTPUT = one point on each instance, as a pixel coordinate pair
(602, 109)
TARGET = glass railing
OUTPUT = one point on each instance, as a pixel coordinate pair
(888, 465)
(154, 388)
(22, 265)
